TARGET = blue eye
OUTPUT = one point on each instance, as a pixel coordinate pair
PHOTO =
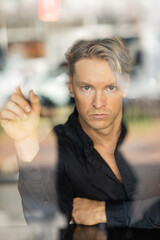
(112, 88)
(86, 88)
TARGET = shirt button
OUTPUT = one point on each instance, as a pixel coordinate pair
(89, 144)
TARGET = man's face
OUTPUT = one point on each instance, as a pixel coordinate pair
(97, 95)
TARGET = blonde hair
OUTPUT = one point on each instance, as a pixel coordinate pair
(113, 50)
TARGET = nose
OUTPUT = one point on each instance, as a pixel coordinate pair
(99, 100)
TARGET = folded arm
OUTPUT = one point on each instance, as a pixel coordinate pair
(138, 213)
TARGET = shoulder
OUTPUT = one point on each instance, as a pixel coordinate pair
(69, 146)
(68, 134)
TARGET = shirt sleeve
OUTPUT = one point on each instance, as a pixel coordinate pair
(64, 187)
(37, 189)
(138, 213)
(45, 190)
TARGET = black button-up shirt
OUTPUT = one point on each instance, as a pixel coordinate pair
(82, 172)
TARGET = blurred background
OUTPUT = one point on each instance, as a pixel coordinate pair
(34, 36)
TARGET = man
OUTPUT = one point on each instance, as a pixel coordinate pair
(95, 184)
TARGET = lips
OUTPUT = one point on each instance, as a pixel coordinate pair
(99, 115)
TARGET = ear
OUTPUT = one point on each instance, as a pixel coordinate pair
(70, 86)
(126, 86)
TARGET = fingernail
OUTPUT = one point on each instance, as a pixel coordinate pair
(28, 109)
(24, 115)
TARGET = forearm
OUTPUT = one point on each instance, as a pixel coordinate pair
(39, 200)
(44, 188)
(138, 213)
(37, 177)
(28, 148)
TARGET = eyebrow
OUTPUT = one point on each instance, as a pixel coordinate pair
(87, 83)
(82, 83)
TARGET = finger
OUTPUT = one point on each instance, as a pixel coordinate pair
(21, 101)
(8, 115)
(76, 199)
(34, 100)
(19, 92)
(13, 107)
(74, 215)
(4, 123)
(75, 218)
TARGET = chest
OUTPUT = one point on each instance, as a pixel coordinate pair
(110, 160)
(91, 177)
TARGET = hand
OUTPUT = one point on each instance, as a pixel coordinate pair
(88, 212)
(19, 118)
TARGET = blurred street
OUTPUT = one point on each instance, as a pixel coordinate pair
(34, 37)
